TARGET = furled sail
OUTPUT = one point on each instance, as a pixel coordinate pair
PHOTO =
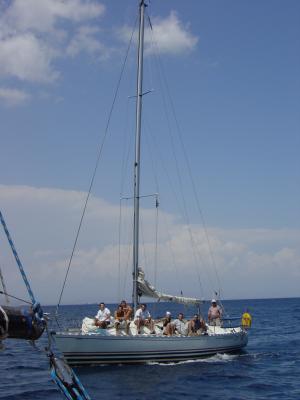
(146, 289)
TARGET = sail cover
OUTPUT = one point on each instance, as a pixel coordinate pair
(146, 289)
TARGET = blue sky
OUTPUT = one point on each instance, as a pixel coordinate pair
(233, 73)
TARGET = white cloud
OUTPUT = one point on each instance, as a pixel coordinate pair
(43, 223)
(13, 97)
(172, 36)
(85, 41)
(43, 16)
(27, 58)
(32, 36)
(169, 34)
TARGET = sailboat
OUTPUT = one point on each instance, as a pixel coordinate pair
(107, 346)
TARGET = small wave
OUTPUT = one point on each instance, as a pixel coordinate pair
(260, 386)
(263, 355)
(30, 394)
(23, 367)
(212, 359)
(224, 357)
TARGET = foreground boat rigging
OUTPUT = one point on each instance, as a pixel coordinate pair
(29, 323)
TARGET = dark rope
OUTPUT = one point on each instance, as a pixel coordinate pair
(96, 165)
(14, 297)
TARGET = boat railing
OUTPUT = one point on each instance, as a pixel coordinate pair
(230, 322)
(64, 323)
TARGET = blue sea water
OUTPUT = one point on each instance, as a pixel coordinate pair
(269, 368)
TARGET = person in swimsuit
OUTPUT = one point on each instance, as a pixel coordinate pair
(214, 314)
(119, 318)
(196, 325)
(127, 314)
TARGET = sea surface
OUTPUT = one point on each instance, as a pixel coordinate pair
(269, 368)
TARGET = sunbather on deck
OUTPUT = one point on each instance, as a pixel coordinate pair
(143, 318)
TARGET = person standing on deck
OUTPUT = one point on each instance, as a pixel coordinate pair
(214, 314)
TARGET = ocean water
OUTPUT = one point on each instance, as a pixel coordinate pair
(269, 367)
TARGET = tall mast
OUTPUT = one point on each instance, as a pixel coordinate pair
(139, 96)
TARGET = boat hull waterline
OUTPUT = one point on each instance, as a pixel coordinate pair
(97, 349)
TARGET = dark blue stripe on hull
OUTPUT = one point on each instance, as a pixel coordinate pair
(117, 358)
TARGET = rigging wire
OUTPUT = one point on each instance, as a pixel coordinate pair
(166, 223)
(128, 246)
(4, 287)
(196, 254)
(143, 241)
(129, 254)
(126, 153)
(179, 134)
(156, 242)
(14, 297)
(18, 261)
(183, 212)
(119, 251)
(157, 208)
(97, 162)
(156, 249)
(124, 171)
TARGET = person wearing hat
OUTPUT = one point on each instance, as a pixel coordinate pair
(214, 314)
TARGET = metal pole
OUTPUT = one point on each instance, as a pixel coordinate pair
(137, 155)
(12, 246)
(4, 287)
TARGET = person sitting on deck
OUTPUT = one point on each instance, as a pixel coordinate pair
(119, 318)
(127, 315)
(196, 325)
(102, 319)
(214, 314)
(143, 318)
(179, 325)
(166, 324)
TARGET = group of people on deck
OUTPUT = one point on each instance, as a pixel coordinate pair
(142, 317)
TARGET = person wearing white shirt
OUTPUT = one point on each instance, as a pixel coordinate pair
(102, 319)
(142, 317)
(179, 325)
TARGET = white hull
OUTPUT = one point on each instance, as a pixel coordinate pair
(95, 349)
